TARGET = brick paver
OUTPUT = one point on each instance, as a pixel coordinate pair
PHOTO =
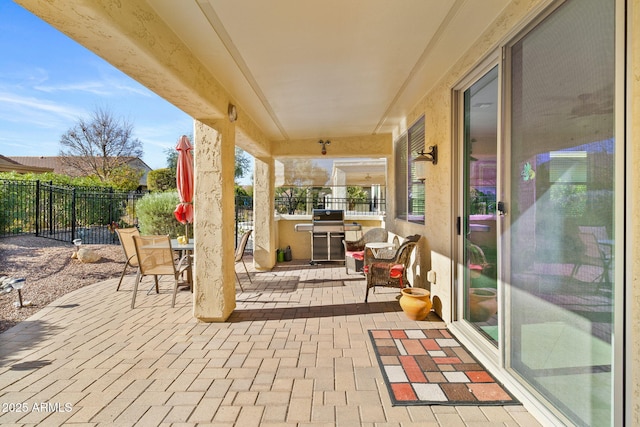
(295, 352)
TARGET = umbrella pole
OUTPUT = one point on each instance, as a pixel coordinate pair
(186, 231)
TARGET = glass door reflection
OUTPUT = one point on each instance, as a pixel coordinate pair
(480, 189)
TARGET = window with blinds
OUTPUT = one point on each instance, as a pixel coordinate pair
(410, 196)
(401, 177)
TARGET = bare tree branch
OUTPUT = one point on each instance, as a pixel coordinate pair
(99, 145)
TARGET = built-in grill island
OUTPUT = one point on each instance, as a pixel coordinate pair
(327, 232)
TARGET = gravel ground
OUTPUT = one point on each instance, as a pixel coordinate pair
(50, 272)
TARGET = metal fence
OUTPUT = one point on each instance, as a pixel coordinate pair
(244, 220)
(65, 213)
(93, 213)
(302, 200)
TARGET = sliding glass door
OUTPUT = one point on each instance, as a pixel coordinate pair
(479, 217)
(561, 221)
(538, 273)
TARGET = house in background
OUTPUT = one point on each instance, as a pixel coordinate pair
(11, 165)
(58, 165)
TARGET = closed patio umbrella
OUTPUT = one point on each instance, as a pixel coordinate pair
(184, 183)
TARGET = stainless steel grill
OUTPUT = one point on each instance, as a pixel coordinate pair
(327, 235)
(327, 232)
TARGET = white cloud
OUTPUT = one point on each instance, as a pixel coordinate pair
(95, 88)
(41, 112)
(108, 88)
(23, 76)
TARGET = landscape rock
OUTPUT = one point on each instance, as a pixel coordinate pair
(88, 256)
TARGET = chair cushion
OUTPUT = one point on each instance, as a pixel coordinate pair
(359, 255)
(476, 267)
(396, 271)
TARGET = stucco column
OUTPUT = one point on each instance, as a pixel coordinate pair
(214, 280)
(264, 235)
(339, 190)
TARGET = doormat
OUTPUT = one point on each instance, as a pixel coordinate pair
(430, 367)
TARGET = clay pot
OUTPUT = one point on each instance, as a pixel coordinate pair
(483, 303)
(415, 303)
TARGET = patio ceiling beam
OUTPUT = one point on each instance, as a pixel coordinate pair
(375, 146)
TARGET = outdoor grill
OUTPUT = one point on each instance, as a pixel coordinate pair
(327, 232)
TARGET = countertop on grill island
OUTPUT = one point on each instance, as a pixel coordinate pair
(348, 226)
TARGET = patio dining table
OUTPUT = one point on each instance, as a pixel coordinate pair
(185, 250)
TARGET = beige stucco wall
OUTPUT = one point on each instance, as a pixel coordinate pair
(214, 281)
(300, 242)
(437, 248)
(633, 207)
(355, 146)
(264, 234)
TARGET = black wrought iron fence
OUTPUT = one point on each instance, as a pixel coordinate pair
(302, 200)
(18, 207)
(244, 219)
(65, 213)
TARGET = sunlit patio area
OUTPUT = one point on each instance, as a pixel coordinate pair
(295, 352)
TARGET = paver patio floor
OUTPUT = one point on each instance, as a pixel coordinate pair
(295, 352)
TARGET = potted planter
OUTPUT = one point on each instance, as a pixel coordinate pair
(483, 303)
(415, 303)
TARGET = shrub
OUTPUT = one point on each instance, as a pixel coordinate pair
(161, 179)
(155, 214)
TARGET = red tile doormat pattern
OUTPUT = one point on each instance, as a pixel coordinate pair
(430, 367)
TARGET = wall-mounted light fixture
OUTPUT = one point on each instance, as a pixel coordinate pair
(232, 112)
(430, 156)
(324, 144)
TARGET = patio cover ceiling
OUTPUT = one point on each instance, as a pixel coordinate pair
(298, 69)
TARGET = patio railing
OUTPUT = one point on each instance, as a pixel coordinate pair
(303, 200)
(91, 213)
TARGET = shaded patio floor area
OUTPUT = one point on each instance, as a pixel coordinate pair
(295, 352)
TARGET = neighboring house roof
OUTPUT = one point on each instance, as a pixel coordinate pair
(57, 165)
(10, 165)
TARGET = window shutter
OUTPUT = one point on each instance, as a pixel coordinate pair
(401, 162)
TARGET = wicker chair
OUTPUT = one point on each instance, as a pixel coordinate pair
(354, 249)
(477, 262)
(389, 271)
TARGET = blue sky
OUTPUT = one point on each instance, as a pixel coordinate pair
(48, 81)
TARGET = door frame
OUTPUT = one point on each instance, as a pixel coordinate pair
(488, 352)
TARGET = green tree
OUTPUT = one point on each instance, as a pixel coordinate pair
(125, 178)
(99, 145)
(161, 179)
(56, 179)
(356, 195)
(243, 163)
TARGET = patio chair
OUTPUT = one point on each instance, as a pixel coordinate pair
(156, 258)
(239, 254)
(601, 235)
(389, 271)
(125, 235)
(354, 249)
(477, 262)
(593, 255)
